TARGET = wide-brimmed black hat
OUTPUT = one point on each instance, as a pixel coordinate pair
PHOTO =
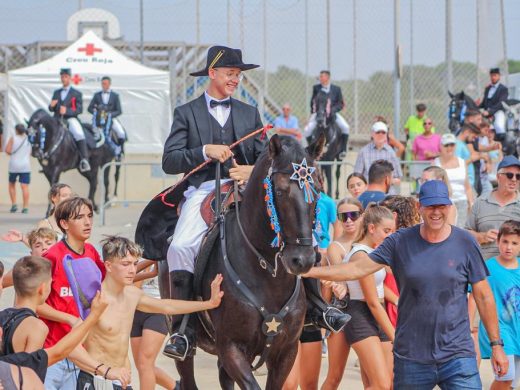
(223, 57)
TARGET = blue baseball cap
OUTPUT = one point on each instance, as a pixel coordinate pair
(434, 193)
(508, 161)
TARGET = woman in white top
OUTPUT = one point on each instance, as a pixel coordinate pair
(462, 193)
(370, 331)
(19, 148)
(349, 211)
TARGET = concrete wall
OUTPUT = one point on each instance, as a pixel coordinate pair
(135, 183)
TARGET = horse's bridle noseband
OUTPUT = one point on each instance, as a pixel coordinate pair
(42, 131)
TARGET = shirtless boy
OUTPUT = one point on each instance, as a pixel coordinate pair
(108, 341)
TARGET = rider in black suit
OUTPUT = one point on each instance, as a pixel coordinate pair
(491, 104)
(108, 101)
(336, 105)
(67, 103)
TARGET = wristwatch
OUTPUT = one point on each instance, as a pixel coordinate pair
(497, 342)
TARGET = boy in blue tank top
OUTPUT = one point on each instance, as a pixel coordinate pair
(504, 281)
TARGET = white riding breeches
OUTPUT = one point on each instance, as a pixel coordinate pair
(499, 122)
(340, 121)
(75, 129)
(118, 129)
(190, 229)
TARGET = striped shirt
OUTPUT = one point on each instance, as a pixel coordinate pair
(369, 153)
(487, 214)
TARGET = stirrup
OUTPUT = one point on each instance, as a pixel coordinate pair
(329, 326)
(188, 346)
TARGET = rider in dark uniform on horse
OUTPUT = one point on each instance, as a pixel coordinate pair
(67, 103)
(106, 102)
(203, 129)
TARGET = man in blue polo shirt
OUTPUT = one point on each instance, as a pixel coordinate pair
(433, 263)
(287, 124)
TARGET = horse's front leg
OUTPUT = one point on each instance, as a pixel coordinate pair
(92, 181)
(106, 183)
(279, 366)
(236, 364)
(186, 371)
(226, 383)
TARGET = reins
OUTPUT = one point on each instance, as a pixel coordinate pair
(163, 194)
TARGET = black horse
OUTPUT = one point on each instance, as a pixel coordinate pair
(55, 149)
(460, 103)
(327, 126)
(265, 317)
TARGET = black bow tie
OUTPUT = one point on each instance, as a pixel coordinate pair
(215, 103)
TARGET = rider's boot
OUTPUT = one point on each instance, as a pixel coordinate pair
(84, 165)
(121, 149)
(344, 143)
(182, 341)
(320, 312)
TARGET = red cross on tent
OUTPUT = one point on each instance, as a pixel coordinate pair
(90, 49)
(76, 79)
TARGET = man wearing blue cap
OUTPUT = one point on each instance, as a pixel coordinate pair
(490, 211)
(433, 262)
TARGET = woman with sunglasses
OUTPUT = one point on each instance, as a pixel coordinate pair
(427, 145)
(455, 167)
(370, 331)
(349, 214)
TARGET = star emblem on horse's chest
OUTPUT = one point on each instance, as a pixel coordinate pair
(272, 326)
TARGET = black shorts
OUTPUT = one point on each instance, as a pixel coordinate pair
(86, 381)
(363, 324)
(151, 321)
(310, 334)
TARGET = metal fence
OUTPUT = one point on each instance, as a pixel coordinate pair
(438, 45)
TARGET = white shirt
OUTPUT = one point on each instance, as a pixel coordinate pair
(325, 88)
(64, 92)
(20, 161)
(105, 96)
(354, 287)
(220, 113)
(492, 90)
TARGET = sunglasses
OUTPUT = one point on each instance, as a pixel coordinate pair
(380, 132)
(352, 215)
(510, 175)
(428, 123)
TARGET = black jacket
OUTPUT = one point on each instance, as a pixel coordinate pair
(336, 98)
(191, 129)
(495, 103)
(73, 101)
(113, 106)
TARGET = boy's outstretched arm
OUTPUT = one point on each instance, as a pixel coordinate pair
(173, 306)
(64, 347)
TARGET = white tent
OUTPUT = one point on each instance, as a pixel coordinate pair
(144, 92)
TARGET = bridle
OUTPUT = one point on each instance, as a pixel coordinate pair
(39, 143)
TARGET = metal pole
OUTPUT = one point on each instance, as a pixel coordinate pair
(412, 83)
(80, 5)
(328, 35)
(242, 24)
(397, 76)
(307, 56)
(197, 21)
(449, 59)
(354, 66)
(477, 3)
(265, 58)
(141, 29)
(229, 22)
(504, 43)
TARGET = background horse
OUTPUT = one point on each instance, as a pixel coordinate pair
(326, 125)
(460, 103)
(56, 151)
(512, 111)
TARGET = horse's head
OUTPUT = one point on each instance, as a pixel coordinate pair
(457, 110)
(292, 197)
(512, 111)
(37, 132)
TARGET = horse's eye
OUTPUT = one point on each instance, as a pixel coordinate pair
(279, 193)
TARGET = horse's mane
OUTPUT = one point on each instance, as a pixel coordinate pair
(292, 151)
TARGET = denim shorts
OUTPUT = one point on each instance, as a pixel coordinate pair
(23, 178)
(455, 374)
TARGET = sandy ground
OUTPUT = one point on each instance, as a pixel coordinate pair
(122, 220)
